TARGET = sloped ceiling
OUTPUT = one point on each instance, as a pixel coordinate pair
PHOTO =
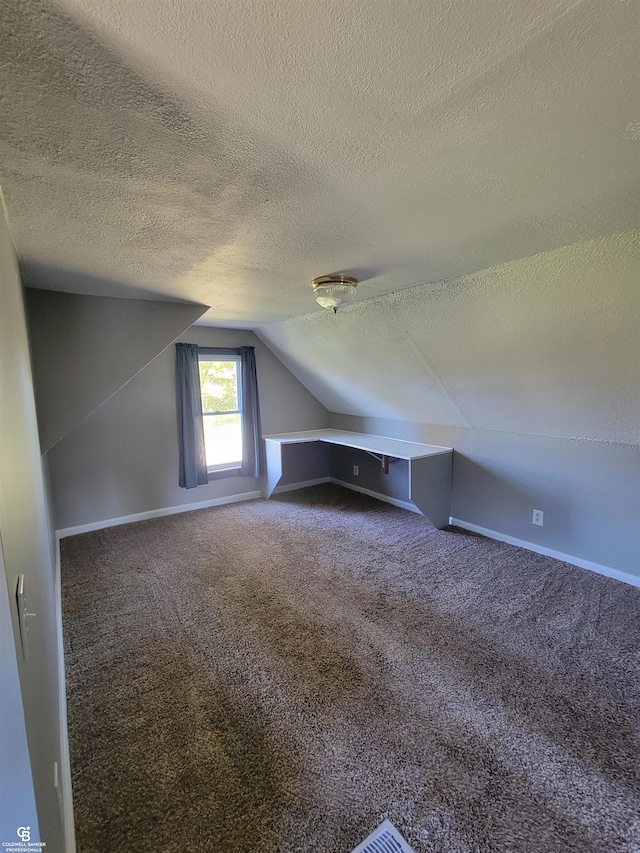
(548, 345)
(85, 348)
(227, 151)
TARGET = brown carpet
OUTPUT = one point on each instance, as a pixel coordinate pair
(282, 675)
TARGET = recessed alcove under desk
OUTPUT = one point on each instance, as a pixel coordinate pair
(419, 473)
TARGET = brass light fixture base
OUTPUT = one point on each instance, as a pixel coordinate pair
(334, 279)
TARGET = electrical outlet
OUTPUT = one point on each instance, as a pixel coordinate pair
(538, 517)
(356, 471)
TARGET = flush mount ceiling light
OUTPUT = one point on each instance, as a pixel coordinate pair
(334, 291)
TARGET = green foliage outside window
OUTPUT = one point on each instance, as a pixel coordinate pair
(219, 386)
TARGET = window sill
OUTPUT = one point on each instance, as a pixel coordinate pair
(221, 473)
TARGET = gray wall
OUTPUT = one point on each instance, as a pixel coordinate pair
(317, 460)
(304, 462)
(589, 491)
(27, 548)
(394, 484)
(84, 348)
(17, 797)
(123, 459)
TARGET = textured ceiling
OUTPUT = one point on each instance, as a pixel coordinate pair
(228, 152)
(547, 345)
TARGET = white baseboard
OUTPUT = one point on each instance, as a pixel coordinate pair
(244, 496)
(155, 513)
(395, 501)
(608, 572)
(292, 487)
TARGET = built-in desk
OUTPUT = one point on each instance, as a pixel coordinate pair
(429, 466)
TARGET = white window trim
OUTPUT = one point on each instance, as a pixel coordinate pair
(235, 465)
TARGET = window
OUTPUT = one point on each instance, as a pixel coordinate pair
(219, 430)
(220, 388)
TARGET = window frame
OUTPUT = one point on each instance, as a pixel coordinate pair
(225, 468)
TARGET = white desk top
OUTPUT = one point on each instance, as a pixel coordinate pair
(373, 443)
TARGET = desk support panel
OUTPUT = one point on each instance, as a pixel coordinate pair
(274, 466)
(430, 487)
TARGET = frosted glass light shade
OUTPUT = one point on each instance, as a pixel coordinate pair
(333, 292)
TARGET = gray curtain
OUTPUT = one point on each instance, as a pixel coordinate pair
(253, 453)
(192, 456)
